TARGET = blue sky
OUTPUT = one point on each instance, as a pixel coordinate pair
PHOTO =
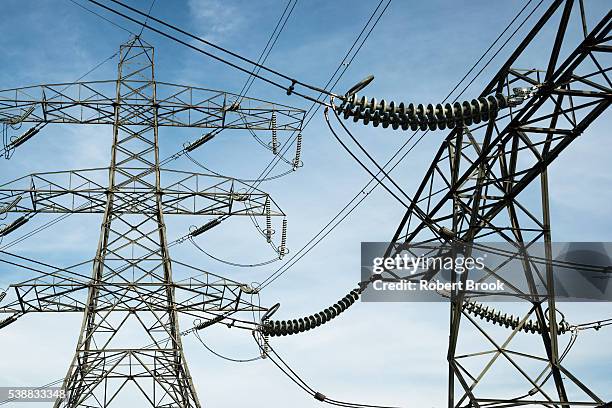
(417, 53)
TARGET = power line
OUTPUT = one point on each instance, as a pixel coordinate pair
(252, 73)
(282, 365)
(239, 265)
(147, 19)
(289, 89)
(489, 49)
(262, 59)
(374, 176)
(102, 17)
(197, 163)
(346, 65)
(505, 43)
(233, 360)
(263, 56)
(317, 238)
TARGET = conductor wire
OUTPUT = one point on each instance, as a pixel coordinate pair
(282, 365)
(233, 360)
(289, 143)
(362, 194)
(239, 265)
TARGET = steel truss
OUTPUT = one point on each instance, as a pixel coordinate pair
(490, 183)
(131, 302)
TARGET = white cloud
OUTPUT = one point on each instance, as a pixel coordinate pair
(214, 19)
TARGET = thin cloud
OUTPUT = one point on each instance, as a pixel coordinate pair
(214, 20)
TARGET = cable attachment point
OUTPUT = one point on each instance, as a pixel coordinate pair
(241, 194)
(251, 290)
(447, 233)
(233, 107)
(291, 87)
(265, 349)
(520, 95)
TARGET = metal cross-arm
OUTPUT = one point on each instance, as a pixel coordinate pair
(176, 105)
(82, 191)
(201, 295)
(569, 101)
(183, 193)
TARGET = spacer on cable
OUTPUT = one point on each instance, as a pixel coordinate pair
(291, 87)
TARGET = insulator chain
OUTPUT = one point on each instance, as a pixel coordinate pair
(199, 142)
(289, 327)
(9, 206)
(208, 323)
(9, 320)
(282, 251)
(265, 349)
(268, 231)
(274, 136)
(18, 141)
(298, 152)
(14, 225)
(206, 227)
(494, 316)
(421, 116)
(430, 116)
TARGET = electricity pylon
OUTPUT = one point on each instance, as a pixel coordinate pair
(488, 181)
(131, 302)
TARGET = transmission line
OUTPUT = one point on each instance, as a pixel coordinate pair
(255, 64)
(263, 56)
(318, 237)
(147, 19)
(102, 17)
(282, 365)
(344, 63)
(289, 89)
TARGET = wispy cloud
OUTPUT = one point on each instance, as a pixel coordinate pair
(214, 20)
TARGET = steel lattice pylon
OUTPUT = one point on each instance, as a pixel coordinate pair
(489, 182)
(129, 336)
(134, 147)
